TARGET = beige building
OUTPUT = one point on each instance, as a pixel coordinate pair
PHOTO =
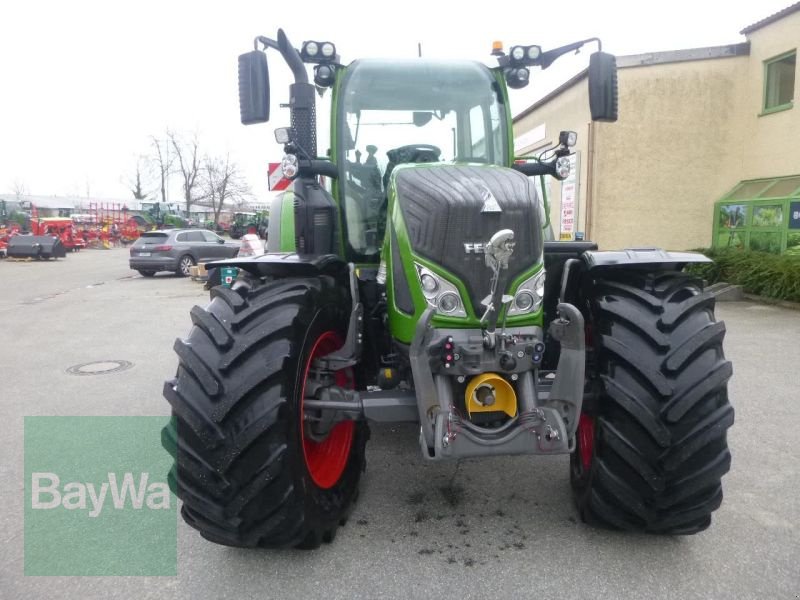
(692, 125)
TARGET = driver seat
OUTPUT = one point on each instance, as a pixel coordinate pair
(407, 154)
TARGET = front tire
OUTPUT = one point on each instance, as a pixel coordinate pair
(246, 471)
(650, 454)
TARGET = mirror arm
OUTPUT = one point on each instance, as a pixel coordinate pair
(318, 167)
(266, 42)
(547, 58)
(289, 53)
(531, 169)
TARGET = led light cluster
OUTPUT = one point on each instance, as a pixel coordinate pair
(289, 166)
(563, 167)
(529, 296)
(525, 54)
(440, 294)
(318, 51)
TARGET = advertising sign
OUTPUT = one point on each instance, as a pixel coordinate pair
(794, 215)
(570, 201)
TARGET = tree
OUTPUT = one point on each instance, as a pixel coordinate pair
(19, 189)
(189, 164)
(222, 182)
(162, 162)
(135, 182)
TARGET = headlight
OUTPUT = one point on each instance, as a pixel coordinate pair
(328, 50)
(518, 53)
(429, 284)
(289, 166)
(563, 167)
(534, 52)
(529, 296)
(311, 49)
(440, 294)
(568, 138)
(524, 301)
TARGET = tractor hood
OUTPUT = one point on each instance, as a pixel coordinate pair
(451, 211)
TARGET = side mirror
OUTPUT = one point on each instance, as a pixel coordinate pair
(253, 88)
(603, 87)
(220, 241)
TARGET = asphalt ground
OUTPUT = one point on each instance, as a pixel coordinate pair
(493, 528)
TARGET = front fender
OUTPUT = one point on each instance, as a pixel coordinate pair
(651, 257)
(286, 264)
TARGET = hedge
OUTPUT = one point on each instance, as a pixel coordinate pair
(758, 273)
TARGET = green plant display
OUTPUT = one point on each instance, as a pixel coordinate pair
(765, 242)
(767, 216)
(732, 216)
(730, 239)
(793, 244)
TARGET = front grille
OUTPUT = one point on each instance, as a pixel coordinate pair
(441, 206)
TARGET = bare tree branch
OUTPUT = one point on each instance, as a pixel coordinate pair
(19, 188)
(222, 182)
(134, 182)
(187, 153)
(162, 161)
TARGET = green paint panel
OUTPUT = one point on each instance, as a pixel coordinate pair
(287, 222)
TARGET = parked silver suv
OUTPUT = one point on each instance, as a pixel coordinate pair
(177, 250)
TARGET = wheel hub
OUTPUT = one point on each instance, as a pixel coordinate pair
(326, 458)
(585, 436)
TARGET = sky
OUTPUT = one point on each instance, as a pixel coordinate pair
(85, 85)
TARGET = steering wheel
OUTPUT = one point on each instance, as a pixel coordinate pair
(416, 153)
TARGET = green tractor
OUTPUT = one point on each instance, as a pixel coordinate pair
(414, 284)
(249, 222)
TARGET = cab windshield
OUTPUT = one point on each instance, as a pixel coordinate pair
(409, 111)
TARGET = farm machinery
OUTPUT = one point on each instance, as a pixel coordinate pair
(248, 222)
(416, 285)
(105, 225)
(60, 227)
(48, 238)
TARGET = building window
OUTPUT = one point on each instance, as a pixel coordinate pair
(779, 75)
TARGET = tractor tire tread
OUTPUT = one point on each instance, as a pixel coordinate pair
(229, 433)
(661, 448)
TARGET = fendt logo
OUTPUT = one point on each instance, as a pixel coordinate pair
(46, 495)
(474, 247)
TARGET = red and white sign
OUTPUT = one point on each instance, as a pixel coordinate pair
(569, 200)
(276, 180)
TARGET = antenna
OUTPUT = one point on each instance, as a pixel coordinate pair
(419, 49)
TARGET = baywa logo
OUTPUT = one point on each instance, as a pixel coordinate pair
(96, 497)
(74, 495)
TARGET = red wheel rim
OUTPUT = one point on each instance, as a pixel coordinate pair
(326, 460)
(586, 440)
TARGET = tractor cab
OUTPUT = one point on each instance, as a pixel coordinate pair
(449, 112)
